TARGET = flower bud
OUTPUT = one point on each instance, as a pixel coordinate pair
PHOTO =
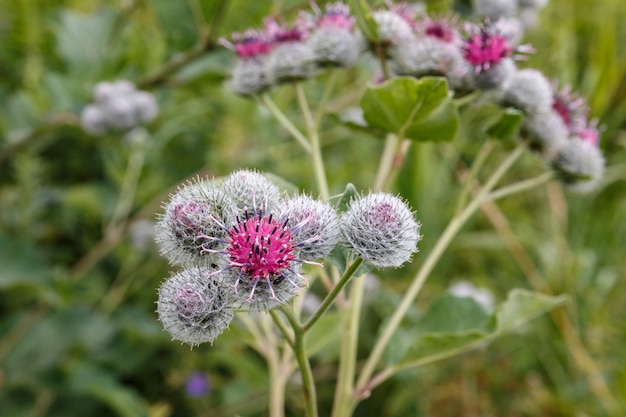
(314, 225)
(193, 308)
(528, 91)
(251, 190)
(579, 165)
(546, 132)
(381, 229)
(193, 228)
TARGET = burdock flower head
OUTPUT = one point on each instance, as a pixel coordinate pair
(250, 75)
(193, 308)
(579, 165)
(332, 39)
(191, 223)
(490, 54)
(381, 229)
(292, 58)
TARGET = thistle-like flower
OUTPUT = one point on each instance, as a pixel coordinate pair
(545, 132)
(248, 189)
(529, 91)
(192, 223)
(250, 75)
(381, 229)
(490, 54)
(260, 264)
(314, 225)
(292, 58)
(193, 308)
(579, 165)
(332, 39)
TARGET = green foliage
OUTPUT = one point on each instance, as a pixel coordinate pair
(421, 110)
(78, 331)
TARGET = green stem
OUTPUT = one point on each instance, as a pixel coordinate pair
(282, 328)
(308, 383)
(328, 88)
(283, 120)
(418, 281)
(316, 155)
(481, 157)
(344, 399)
(392, 143)
(522, 186)
(332, 295)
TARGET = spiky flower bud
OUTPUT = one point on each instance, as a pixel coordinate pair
(291, 59)
(193, 225)
(249, 75)
(393, 27)
(249, 189)
(579, 165)
(314, 225)
(93, 120)
(193, 308)
(381, 229)
(529, 91)
(545, 132)
(425, 56)
(332, 40)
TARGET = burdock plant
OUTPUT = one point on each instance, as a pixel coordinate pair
(245, 243)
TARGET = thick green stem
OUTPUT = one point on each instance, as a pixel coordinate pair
(522, 186)
(316, 154)
(433, 257)
(283, 120)
(332, 295)
(344, 399)
(308, 383)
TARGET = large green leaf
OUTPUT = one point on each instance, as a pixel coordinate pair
(454, 325)
(414, 109)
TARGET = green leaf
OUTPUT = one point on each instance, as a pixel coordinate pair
(414, 109)
(455, 325)
(21, 264)
(368, 26)
(344, 200)
(522, 306)
(507, 126)
(83, 41)
(97, 383)
(449, 313)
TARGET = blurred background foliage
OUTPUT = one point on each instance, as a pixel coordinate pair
(78, 332)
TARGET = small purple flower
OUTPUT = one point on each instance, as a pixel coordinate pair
(443, 28)
(197, 384)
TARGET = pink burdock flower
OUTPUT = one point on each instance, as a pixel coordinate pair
(249, 44)
(406, 11)
(250, 75)
(443, 28)
(261, 263)
(336, 15)
(570, 106)
(292, 59)
(485, 46)
(574, 112)
(332, 39)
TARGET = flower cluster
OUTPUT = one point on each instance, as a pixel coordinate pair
(279, 53)
(471, 56)
(118, 106)
(241, 244)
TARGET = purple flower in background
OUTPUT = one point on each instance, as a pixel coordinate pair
(197, 384)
